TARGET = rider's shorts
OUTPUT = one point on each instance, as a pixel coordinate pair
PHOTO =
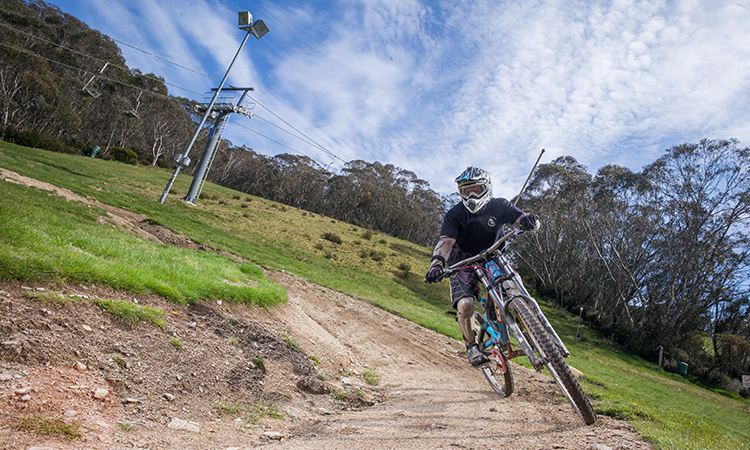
(465, 283)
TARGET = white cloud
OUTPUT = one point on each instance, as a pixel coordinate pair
(433, 87)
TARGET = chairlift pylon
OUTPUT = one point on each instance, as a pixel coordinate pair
(134, 112)
(85, 89)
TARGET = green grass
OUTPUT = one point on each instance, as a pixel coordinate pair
(259, 363)
(251, 413)
(290, 341)
(175, 342)
(52, 297)
(132, 313)
(670, 410)
(47, 426)
(45, 238)
(371, 377)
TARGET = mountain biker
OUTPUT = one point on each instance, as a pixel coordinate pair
(468, 228)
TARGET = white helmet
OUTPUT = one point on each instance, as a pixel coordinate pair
(475, 188)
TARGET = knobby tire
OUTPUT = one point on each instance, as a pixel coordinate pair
(554, 361)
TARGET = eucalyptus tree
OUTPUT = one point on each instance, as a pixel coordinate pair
(620, 233)
(298, 181)
(558, 254)
(700, 261)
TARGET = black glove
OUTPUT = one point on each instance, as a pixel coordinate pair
(433, 274)
(527, 222)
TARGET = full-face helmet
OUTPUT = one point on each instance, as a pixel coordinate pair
(475, 188)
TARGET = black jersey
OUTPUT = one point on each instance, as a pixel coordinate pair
(476, 232)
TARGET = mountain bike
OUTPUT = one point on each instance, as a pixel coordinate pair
(509, 310)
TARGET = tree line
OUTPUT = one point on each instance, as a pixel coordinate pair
(658, 259)
(54, 95)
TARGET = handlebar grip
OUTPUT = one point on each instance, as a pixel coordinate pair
(446, 273)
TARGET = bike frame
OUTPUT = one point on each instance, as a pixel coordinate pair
(496, 303)
(513, 309)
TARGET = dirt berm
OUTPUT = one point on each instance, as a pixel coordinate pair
(324, 371)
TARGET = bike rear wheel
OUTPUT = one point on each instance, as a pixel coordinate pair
(553, 360)
(498, 374)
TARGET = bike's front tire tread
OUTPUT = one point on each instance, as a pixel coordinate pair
(554, 361)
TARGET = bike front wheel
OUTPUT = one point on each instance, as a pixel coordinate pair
(553, 360)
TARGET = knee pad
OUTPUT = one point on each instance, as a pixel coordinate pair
(465, 306)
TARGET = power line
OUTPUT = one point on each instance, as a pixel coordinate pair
(276, 142)
(307, 139)
(92, 57)
(86, 71)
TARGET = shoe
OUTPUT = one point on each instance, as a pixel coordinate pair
(476, 357)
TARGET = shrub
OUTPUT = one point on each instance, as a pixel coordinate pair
(404, 270)
(377, 256)
(125, 155)
(333, 237)
(367, 235)
(32, 139)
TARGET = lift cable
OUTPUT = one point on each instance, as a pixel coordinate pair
(92, 73)
(165, 60)
(308, 140)
(92, 57)
(311, 141)
(276, 142)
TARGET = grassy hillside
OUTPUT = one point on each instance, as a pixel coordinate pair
(43, 236)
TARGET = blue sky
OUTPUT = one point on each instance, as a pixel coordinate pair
(436, 86)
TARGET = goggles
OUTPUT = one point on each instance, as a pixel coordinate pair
(475, 190)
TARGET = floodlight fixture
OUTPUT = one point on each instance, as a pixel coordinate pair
(245, 20)
(257, 28)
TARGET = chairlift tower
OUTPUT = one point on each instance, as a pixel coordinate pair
(246, 23)
(221, 110)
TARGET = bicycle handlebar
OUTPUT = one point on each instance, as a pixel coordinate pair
(481, 255)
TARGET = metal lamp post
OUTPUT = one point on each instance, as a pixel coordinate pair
(257, 29)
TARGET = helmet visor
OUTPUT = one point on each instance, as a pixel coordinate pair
(475, 190)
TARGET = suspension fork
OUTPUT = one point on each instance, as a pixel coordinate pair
(511, 275)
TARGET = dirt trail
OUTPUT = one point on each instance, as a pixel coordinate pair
(63, 355)
(431, 396)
